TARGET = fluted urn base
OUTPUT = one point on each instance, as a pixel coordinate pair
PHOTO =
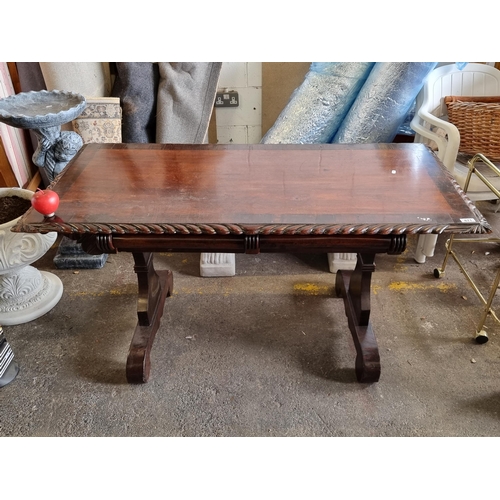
(27, 295)
(25, 292)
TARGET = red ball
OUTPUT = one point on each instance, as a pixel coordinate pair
(45, 202)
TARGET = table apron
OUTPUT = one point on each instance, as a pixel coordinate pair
(251, 244)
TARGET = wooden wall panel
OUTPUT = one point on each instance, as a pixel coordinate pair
(279, 80)
(7, 177)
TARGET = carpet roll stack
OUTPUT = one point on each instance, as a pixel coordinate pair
(317, 108)
(383, 102)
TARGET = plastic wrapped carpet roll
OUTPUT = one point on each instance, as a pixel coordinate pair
(383, 103)
(316, 108)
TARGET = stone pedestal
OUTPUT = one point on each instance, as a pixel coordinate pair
(217, 264)
(342, 261)
(71, 256)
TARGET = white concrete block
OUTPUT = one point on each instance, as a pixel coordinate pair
(233, 74)
(232, 134)
(254, 74)
(254, 134)
(342, 261)
(217, 264)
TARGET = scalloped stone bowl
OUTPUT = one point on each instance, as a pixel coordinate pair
(25, 292)
(43, 108)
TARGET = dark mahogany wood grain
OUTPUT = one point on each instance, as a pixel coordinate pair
(154, 288)
(354, 288)
(256, 189)
(146, 198)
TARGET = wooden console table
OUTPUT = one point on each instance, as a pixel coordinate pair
(146, 198)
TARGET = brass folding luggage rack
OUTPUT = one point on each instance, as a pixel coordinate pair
(480, 334)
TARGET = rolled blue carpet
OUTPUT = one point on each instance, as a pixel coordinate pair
(383, 102)
(318, 106)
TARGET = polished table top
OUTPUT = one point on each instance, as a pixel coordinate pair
(257, 189)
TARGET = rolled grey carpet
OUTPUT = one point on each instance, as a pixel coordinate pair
(186, 96)
(136, 85)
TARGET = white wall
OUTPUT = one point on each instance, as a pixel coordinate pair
(242, 124)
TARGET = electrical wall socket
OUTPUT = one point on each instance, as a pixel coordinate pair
(229, 99)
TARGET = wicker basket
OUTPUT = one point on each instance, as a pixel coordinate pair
(478, 121)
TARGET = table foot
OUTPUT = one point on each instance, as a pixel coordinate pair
(354, 288)
(154, 288)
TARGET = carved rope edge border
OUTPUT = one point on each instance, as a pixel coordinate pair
(482, 227)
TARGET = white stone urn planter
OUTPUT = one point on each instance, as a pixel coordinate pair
(25, 292)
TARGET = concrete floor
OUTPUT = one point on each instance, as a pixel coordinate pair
(264, 353)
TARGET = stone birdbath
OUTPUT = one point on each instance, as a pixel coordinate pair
(44, 112)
